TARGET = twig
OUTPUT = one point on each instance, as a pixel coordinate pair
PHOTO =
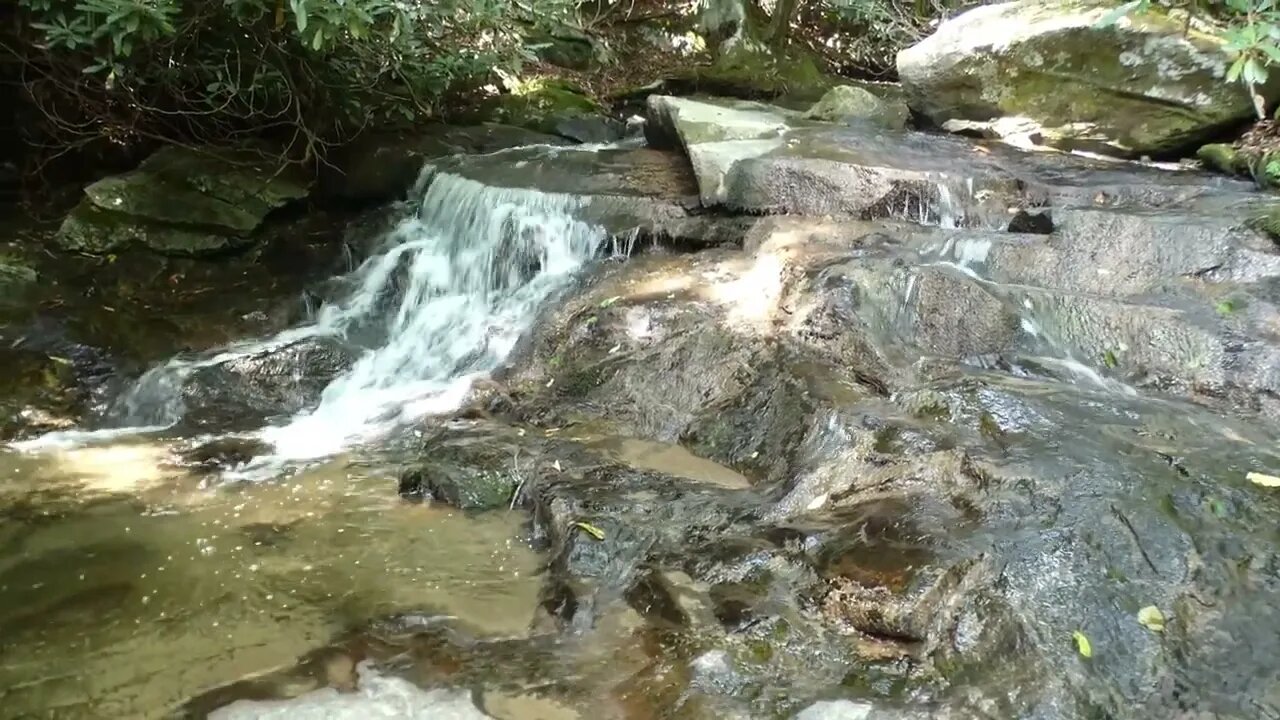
(1136, 539)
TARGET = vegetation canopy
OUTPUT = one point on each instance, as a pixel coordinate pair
(315, 71)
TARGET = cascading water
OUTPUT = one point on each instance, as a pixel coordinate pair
(455, 287)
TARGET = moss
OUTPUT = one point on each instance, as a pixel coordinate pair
(1267, 221)
(754, 72)
(541, 103)
(1222, 157)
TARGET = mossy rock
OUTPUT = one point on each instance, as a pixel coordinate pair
(1231, 160)
(848, 102)
(16, 277)
(541, 104)
(755, 73)
(90, 229)
(1267, 221)
(1223, 157)
(182, 202)
(1143, 86)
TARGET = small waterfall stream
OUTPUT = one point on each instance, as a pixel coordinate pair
(454, 287)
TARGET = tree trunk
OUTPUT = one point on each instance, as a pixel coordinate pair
(780, 31)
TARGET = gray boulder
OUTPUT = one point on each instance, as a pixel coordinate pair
(1143, 85)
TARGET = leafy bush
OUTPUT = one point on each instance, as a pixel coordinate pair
(310, 72)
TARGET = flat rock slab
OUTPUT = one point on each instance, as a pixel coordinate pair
(756, 158)
(624, 190)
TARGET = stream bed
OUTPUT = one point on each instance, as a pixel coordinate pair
(558, 442)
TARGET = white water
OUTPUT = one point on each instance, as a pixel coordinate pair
(444, 303)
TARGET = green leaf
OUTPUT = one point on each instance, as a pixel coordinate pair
(610, 301)
(1082, 644)
(1114, 16)
(300, 14)
(1151, 618)
(590, 529)
(1271, 51)
(317, 40)
(1109, 359)
(1236, 68)
(1254, 73)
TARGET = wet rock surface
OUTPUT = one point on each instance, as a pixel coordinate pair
(924, 412)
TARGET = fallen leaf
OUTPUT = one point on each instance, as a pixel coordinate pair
(1082, 644)
(609, 301)
(1266, 481)
(615, 348)
(1151, 618)
(590, 529)
(557, 467)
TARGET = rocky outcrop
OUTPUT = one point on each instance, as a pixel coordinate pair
(1145, 85)
(181, 202)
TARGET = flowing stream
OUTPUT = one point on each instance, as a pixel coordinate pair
(451, 291)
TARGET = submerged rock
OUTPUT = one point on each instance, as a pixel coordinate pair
(181, 202)
(1148, 84)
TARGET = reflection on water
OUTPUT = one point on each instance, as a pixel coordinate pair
(114, 606)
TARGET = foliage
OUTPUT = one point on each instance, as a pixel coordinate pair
(1249, 29)
(864, 36)
(310, 71)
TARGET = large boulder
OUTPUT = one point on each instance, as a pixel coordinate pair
(182, 202)
(1143, 85)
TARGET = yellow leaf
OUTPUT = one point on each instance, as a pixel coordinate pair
(590, 529)
(1266, 481)
(1082, 644)
(1151, 618)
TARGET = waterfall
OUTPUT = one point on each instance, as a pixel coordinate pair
(478, 263)
(444, 302)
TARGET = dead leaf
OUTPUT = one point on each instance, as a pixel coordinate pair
(1262, 480)
(557, 467)
(590, 529)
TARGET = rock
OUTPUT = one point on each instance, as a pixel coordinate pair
(181, 202)
(16, 277)
(477, 470)
(51, 382)
(1222, 157)
(848, 102)
(1141, 86)
(624, 191)
(252, 388)
(674, 122)
(541, 104)
(596, 129)
(383, 167)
